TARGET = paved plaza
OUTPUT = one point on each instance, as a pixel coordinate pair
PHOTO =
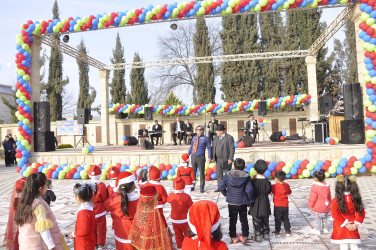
(301, 220)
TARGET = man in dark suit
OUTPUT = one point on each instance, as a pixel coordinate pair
(143, 132)
(212, 125)
(178, 130)
(251, 127)
(223, 152)
(188, 132)
(156, 127)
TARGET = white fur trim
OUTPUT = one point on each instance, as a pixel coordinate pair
(179, 221)
(155, 182)
(135, 195)
(85, 206)
(101, 214)
(113, 184)
(126, 180)
(357, 222)
(124, 241)
(160, 206)
(73, 234)
(116, 189)
(346, 193)
(95, 177)
(216, 225)
(345, 223)
(346, 241)
(320, 184)
(179, 191)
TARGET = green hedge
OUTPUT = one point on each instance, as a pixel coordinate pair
(61, 146)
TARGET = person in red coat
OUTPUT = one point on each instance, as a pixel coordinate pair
(112, 174)
(280, 191)
(155, 178)
(99, 199)
(123, 205)
(319, 202)
(348, 213)
(84, 234)
(187, 173)
(180, 204)
(205, 232)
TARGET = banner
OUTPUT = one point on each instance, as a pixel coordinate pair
(69, 128)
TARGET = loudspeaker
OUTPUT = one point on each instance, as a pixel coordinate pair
(42, 116)
(262, 108)
(44, 141)
(248, 141)
(352, 95)
(326, 104)
(276, 136)
(83, 116)
(352, 131)
(321, 132)
(148, 113)
(132, 140)
(145, 144)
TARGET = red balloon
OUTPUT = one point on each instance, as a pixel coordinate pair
(282, 138)
(368, 165)
(207, 178)
(126, 142)
(300, 171)
(346, 171)
(260, 119)
(241, 144)
(209, 171)
(295, 176)
(332, 142)
(350, 164)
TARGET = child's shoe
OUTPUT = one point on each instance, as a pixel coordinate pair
(242, 239)
(326, 231)
(315, 231)
(258, 238)
(288, 233)
(266, 237)
(278, 234)
(235, 240)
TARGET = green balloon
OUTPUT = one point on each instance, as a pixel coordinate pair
(354, 171)
(370, 21)
(306, 173)
(258, 7)
(228, 10)
(358, 164)
(85, 150)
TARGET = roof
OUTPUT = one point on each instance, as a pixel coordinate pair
(6, 89)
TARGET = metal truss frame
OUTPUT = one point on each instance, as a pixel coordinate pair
(346, 14)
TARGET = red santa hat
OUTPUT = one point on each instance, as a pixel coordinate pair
(178, 183)
(20, 184)
(148, 191)
(113, 173)
(154, 173)
(203, 219)
(124, 178)
(185, 157)
(94, 171)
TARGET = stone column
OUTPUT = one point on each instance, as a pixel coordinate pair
(313, 107)
(113, 130)
(103, 79)
(35, 69)
(359, 50)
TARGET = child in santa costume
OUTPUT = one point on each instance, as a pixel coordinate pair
(180, 204)
(187, 173)
(142, 177)
(319, 202)
(84, 234)
(148, 229)
(348, 213)
(99, 199)
(123, 206)
(155, 178)
(205, 232)
(11, 233)
(112, 174)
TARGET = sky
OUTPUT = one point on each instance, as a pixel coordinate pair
(142, 39)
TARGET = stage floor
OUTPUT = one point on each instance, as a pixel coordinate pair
(269, 151)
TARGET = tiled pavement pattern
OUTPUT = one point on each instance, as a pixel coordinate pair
(300, 217)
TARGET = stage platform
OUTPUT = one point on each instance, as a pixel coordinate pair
(170, 154)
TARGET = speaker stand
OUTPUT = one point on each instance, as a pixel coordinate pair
(264, 132)
(82, 141)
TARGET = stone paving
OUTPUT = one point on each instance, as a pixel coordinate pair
(301, 220)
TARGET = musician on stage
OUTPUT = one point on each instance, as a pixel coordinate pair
(156, 127)
(178, 130)
(251, 127)
(212, 126)
(188, 132)
(339, 109)
(143, 132)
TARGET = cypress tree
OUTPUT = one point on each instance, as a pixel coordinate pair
(172, 99)
(118, 89)
(85, 99)
(139, 88)
(55, 84)
(204, 81)
(350, 67)
(333, 81)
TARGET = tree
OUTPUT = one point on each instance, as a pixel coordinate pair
(139, 88)
(204, 80)
(12, 105)
(118, 89)
(56, 83)
(333, 83)
(172, 99)
(350, 67)
(85, 99)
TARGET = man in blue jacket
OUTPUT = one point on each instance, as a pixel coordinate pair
(237, 187)
(8, 147)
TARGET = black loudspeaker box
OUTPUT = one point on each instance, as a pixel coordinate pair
(44, 141)
(248, 141)
(276, 136)
(321, 132)
(352, 131)
(352, 96)
(42, 116)
(326, 104)
(262, 108)
(83, 116)
(145, 144)
(132, 140)
(148, 113)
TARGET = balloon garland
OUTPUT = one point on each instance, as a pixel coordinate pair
(227, 107)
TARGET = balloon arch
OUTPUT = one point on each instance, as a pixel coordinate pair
(186, 10)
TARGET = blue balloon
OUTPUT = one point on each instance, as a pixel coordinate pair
(368, 9)
(362, 160)
(171, 172)
(284, 133)
(123, 168)
(76, 176)
(91, 148)
(327, 139)
(249, 165)
(213, 175)
(293, 171)
(79, 169)
(339, 170)
(271, 167)
(267, 174)
(55, 174)
(368, 157)
(362, 169)
(164, 173)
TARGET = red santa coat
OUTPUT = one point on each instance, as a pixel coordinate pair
(320, 197)
(193, 244)
(110, 188)
(122, 224)
(180, 204)
(340, 233)
(85, 231)
(162, 197)
(100, 212)
(188, 175)
(280, 194)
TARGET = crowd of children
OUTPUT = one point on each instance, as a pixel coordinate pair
(138, 220)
